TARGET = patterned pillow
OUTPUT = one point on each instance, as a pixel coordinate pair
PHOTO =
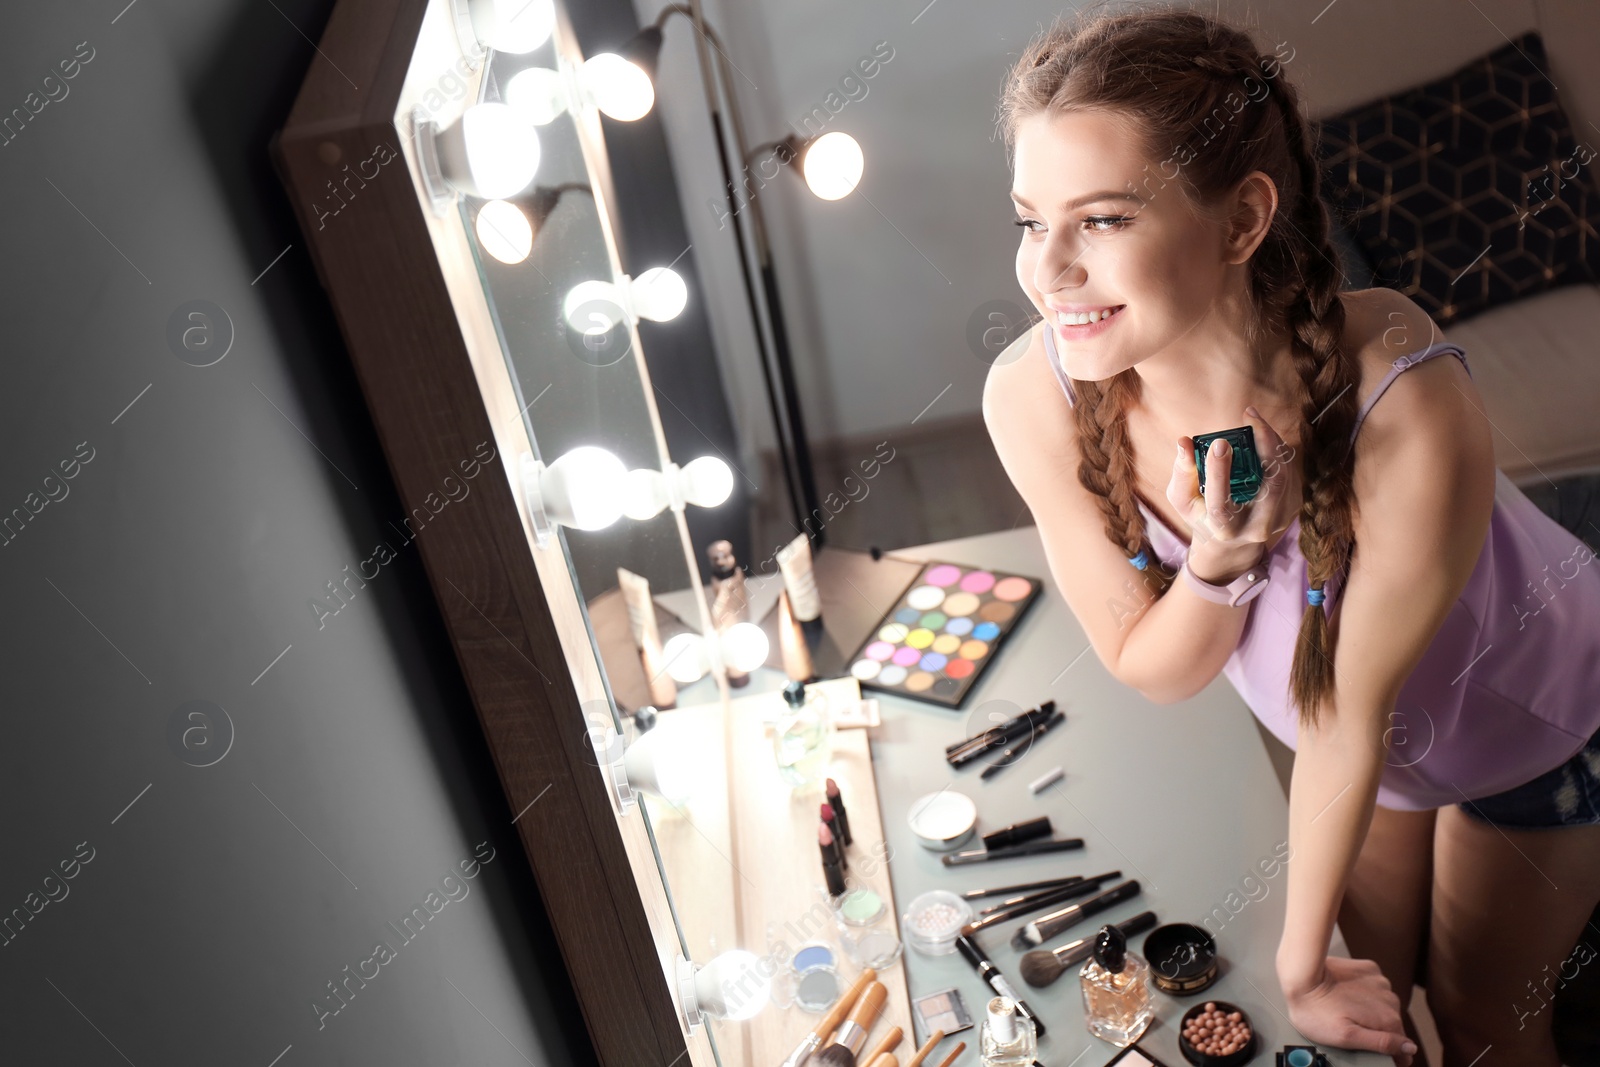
(1469, 191)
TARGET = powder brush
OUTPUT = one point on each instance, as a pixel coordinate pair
(1043, 966)
(830, 1020)
(852, 1032)
(890, 1042)
(927, 1047)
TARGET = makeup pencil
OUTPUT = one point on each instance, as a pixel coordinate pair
(1016, 752)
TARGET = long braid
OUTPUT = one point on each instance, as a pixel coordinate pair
(1107, 469)
(1315, 318)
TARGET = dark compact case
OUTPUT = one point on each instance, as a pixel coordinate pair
(1245, 475)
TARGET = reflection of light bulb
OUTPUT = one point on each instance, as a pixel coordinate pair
(491, 152)
(734, 986)
(832, 165)
(504, 231)
(539, 93)
(659, 294)
(583, 489)
(516, 26)
(744, 646)
(706, 482)
(686, 658)
(593, 307)
(619, 88)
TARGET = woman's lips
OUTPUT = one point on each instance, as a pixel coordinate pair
(1091, 329)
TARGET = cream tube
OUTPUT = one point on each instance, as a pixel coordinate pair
(794, 560)
(647, 636)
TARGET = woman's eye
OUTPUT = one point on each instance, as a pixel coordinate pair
(1026, 224)
(1105, 223)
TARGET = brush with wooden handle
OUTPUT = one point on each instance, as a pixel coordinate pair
(887, 1059)
(890, 1042)
(852, 1033)
(927, 1047)
(959, 1049)
(830, 1021)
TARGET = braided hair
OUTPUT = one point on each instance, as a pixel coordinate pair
(1180, 75)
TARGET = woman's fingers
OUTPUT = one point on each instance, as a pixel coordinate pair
(1220, 508)
(1184, 485)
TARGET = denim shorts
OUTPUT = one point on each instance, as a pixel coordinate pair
(1568, 795)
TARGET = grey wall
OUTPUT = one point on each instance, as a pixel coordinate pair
(209, 906)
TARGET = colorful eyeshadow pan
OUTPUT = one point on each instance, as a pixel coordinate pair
(978, 582)
(948, 625)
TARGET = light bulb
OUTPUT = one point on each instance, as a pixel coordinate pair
(686, 658)
(593, 307)
(584, 488)
(646, 495)
(504, 231)
(658, 762)
(491, 152)
(832, 165)
(620, 89)
(734, 986)
(539, 93)
(745, 646)
(659, 294)
(707, 482)
(516, 26)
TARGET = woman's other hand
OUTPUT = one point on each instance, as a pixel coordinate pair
(1227, 539)
(1351, 1006)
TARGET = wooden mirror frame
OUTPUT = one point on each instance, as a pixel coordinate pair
(417, 370)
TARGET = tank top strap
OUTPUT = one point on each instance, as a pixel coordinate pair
(1403, 364)
(1055, 365)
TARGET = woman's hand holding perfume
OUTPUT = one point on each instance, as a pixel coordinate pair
(1350, 1005)
(1227, 538)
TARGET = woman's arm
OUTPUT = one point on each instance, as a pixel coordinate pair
(1183, 639)
(1424, 481)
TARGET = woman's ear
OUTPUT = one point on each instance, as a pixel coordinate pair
(1255, 204)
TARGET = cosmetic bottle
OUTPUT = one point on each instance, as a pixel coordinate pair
(1007, 1038)
(1117, 1003)
(802, 738)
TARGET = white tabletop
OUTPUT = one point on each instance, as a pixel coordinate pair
(1181, 797)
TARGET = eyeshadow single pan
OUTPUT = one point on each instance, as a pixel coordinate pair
(947, 626)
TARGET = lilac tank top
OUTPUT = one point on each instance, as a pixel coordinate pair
(1510, 686)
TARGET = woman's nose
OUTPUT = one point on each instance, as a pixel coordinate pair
(1060, 265)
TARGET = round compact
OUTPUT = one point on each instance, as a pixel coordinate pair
(861, 908)
(811, 956)
(943, 821)
(817, 989)
(1182, 957)
(1208, 1031)
(876, 947)
(933, 921)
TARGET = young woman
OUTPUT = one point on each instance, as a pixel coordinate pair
(1389, 604)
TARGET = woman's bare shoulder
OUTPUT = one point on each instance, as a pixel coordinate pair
(1021, 389)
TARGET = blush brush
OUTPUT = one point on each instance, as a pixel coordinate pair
(852, 1033)
(1043, 966)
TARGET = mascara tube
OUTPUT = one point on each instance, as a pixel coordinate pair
(997, 981)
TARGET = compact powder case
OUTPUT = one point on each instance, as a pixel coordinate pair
(1182, 958)
(943, 821)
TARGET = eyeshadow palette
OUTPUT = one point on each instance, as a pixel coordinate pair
(945, 629)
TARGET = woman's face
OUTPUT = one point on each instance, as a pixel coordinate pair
(1103, 228)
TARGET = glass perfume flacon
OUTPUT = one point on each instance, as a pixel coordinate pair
(802, 738)
(1117, 1003)
(1007, 1038)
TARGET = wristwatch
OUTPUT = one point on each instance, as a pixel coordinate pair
(1241, 590)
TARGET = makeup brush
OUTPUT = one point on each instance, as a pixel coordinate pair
(1043, 894)
(1035, 903)
(957, 1051)
(927, 1047)
(884, 1060)
(830, 1020)
(890, 1042)
(852, 1033)
(1043, 966)
(1013, 890)
(1042, 929)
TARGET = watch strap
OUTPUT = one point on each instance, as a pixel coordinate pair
(1241, 590)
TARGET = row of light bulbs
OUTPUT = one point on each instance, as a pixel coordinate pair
(493, 156)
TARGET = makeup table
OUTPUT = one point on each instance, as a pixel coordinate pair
(1182, 798)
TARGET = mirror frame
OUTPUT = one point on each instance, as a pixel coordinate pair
(379, 267)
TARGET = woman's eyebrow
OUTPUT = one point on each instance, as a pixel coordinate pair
(1091, 198)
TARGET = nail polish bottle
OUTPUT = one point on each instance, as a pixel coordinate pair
(1007, 1038)
(1117, 1004)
